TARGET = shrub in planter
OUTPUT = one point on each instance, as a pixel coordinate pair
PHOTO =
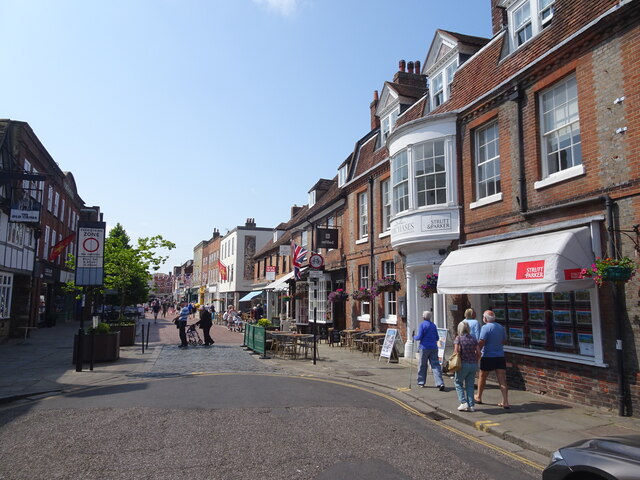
(106, 344)
(264, 322)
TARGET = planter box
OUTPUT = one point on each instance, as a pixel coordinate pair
(127, 334)
(106, 348)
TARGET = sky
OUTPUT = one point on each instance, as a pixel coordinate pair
(180, 116)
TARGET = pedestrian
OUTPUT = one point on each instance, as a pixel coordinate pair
(467, 347)
(474, 324)
(205, 324)
(165, 307)
(491, 341)
(428, 347)
(190, 307)
(181, 324)
(259, 312)
(231, 317)
(155, 307)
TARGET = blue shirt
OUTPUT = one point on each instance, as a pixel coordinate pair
(184, 314)
(427, 335)
(474, 327)
(494, 336)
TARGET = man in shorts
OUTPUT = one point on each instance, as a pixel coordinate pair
(491, 341)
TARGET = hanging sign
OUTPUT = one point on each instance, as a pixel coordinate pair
(326, 237)
(271, 272)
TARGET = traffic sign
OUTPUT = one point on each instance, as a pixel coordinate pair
(316, 261)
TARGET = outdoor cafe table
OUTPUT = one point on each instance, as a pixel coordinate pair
(349, 335)
(281, 339)
(371, 339)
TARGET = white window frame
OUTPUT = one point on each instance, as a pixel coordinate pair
(388, 123)
(363, 282)
(56, 204)
(15, 234)
(50, 198)
(540, 15)
(363, 215)
(342, 176)
(385, 201)
(390, 299)
(430, 173)
(449, 73)
(437, 90)
(6, 293)
(484, 161)
(568, 109)
(62, 211)
(400, 182)
(45, 243)
(312, 198)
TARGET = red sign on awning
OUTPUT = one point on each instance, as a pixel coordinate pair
(529, 270)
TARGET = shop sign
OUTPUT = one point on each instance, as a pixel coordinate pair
(573, 274)
(326, 237)
(47, 273)
(439, 222)
(271, 272)
(284, 250)
(530, 270)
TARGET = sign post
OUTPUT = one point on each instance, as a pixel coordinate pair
(89, 269)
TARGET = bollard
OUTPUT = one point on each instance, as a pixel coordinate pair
(142, 342)
(148, 330)
(92, 349)
(79, 350)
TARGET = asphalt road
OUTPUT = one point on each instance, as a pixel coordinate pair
(241, 419)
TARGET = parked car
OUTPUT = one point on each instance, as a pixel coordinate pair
(606, 458)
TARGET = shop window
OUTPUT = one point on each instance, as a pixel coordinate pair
(430, 173)
(400, 180)
(487, 156)
(555, 322)
(363, 275)
(6, 286)
(560, 128)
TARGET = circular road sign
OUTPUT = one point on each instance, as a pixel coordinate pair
(316, 261)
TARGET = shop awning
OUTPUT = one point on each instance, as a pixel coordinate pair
(250, 295)
(280, 283)
(541, 263)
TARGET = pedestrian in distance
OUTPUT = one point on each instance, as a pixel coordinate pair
(467, 347)
(491, 341)
(155, 307)
(428, 347)
(205, 324)
(165, 307)
(181, 324)
(474, 324)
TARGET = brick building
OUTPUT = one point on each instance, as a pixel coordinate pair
(547, 164)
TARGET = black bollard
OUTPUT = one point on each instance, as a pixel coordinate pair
(148, 330)
(92, 349)
(142, 342)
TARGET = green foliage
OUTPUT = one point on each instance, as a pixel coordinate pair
(264, 322)
(101, 329)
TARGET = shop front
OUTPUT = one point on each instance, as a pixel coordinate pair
(531, 280)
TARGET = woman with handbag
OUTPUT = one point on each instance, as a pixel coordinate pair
(466, 346)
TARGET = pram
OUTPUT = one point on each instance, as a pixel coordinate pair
(193, 337)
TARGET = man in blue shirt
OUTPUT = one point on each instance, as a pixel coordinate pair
(181, 324)
(491, 341)
(428, 348)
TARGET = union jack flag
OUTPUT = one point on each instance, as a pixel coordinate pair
(298, 254)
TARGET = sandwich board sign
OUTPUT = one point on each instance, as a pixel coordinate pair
(90, 254)
(391, 346)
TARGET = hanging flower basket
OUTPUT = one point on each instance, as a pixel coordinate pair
(339, 295)
(362, 294)
(300, 295)
(286, 298)
(430, 286)
(385, 284)
(610, 270)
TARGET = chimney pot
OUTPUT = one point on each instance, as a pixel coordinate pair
(375, 95)
(410, 67)
(416, 65)
(402, 65)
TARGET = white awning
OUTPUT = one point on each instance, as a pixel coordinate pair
(250, 295)
(549, 262)
(281, 283)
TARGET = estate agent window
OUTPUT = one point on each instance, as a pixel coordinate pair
(554, 322)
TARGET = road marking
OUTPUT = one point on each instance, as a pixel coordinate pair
(403, 389)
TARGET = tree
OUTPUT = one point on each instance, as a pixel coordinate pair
(127, 267)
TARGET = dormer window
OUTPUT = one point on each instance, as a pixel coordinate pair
(437, 95)
(388, 122)
(450, 72)
(342, 176)
(527, 18)
(312, 198)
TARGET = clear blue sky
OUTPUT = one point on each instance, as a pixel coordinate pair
(181, 116)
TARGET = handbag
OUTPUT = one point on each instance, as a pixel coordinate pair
(454, 363)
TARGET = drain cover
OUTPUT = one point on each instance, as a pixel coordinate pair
(435, 416)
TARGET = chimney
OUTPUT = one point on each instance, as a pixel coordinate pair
(250, 223)
(216, 233)
(375, 120)
(401, 65)
(412, 77)
(294, 210)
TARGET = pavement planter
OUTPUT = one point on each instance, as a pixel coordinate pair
(127, 333)
(106, 347)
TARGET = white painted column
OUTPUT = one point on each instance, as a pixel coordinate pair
(412, 313)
